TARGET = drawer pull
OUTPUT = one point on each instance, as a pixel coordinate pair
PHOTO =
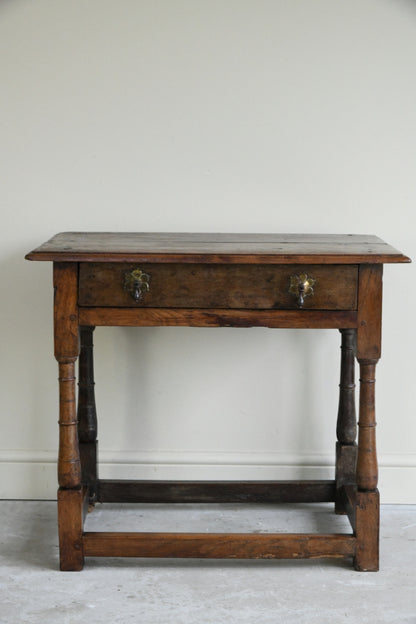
(301, 286)
(135, 282)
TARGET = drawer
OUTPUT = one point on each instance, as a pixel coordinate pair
(244, 286)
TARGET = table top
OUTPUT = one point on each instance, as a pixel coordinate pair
(216, 248)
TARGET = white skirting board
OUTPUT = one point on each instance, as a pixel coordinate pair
(32, 475)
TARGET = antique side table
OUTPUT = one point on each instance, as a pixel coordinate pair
(217, 280)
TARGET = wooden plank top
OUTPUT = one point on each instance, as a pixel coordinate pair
(216, 248)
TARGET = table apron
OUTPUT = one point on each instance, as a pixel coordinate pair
(195, 317)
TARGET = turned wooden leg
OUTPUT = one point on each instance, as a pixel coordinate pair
(69, 465)
(69, 473)
(87, 415)
(70, 494)
(367, 508)
(368, 503)
(346, 448)
(367, 471)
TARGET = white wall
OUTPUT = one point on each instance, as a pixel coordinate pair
(196, 115)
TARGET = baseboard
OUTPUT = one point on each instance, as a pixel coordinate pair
(32, 475)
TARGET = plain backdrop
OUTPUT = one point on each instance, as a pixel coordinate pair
(204, 115)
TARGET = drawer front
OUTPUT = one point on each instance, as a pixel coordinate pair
(256, 287)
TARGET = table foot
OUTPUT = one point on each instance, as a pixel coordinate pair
(71, 511)
(367, 519)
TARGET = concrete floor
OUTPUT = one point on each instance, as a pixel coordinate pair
(32, 590)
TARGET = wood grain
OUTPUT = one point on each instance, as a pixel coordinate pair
(69, 465)
(219, 545)
(218, 280)
(345, 472)
(347, 497)
(163, 317)
(367, 520)
(65, 281)
(370, 294)
(346, 447)
(347, 420)
(217, 248)
(86, 413)
(150, 491)
(367, 470)
(218, 286)
(70, 525)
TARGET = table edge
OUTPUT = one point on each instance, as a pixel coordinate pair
(220, 258)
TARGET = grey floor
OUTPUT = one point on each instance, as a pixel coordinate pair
(32, 590)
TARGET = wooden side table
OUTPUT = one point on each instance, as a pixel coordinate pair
(216, 280)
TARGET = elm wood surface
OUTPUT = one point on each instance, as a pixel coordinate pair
(346, 447)
(367, 528)
(347, 500)
(87, 413)
(219, 286)
(367, 471)
(71, 516)
(218, 248)
(354, 490)
(347, 421)
(65, 279)
(127, 491)
(219, 545)
(157, 317)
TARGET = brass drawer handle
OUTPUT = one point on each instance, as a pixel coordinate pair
(135, 282)
(301, 286)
